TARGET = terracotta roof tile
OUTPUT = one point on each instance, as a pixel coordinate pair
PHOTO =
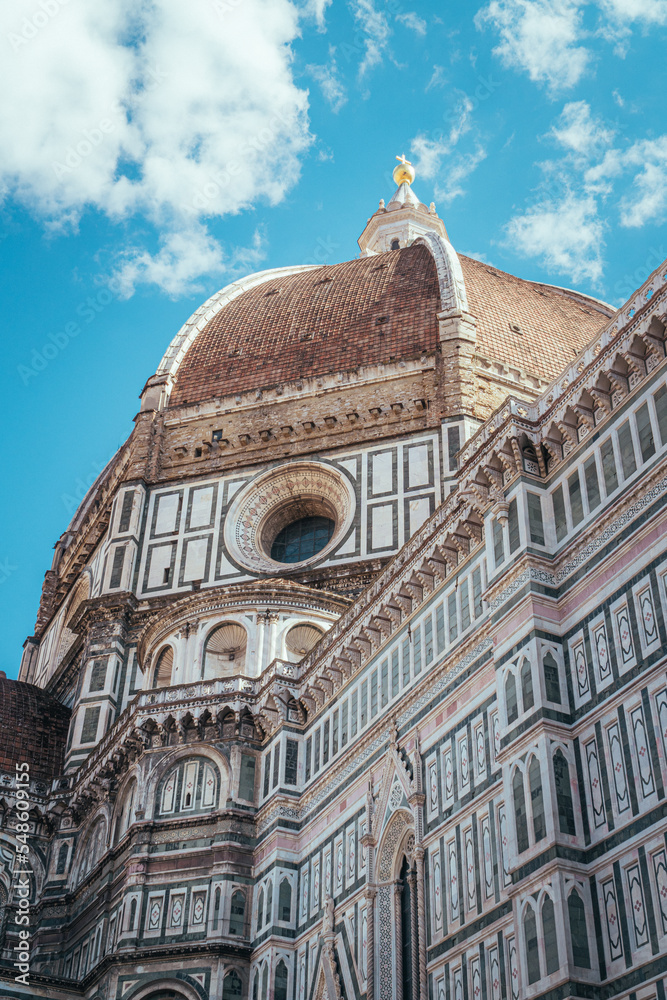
(554, 324)
(307, 324)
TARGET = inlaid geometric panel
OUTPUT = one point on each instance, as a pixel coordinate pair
(620, 783)
(611, 920)
(637, 906)
(659, 861)
(646, 783)
(595, 784)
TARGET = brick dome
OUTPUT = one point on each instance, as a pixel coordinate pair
(33, 728)
(372, 310)
(317, 321)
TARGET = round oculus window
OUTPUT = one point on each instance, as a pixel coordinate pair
(302, 539)
(291, 516)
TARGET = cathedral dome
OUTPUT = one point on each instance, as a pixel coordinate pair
(314, 322)
(279, 326)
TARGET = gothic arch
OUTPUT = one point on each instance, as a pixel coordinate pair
(173, 757)
(167, 989)
(396, 843)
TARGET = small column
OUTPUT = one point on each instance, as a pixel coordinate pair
(414, 918)
(421, 923)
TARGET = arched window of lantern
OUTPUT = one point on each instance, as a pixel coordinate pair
(549, 935)
(576, 911)
(225, 651)
(237, 913)
(537, 799)
(527, 685)
(532, 950)
(192, 786)
(285, 901)
(564, 801)
(232, 987)
(164, 666)
(511, 704)
(280, 981)
(520, 819)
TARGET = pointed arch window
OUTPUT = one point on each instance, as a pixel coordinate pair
(237, 913)
(255, 987)
(269, 904)
(216, 909)
(549, 935)
(511, 704)
(133, 913)
(285, 900)
(537, 799)
(232, 986)
(576, 912)
(280, 981)
(265, 981)
(62, 859)
(519, 797)
(192, 786)
(564, 794)
(532, 950)
(527, 696)
(551, 679)
(260, 910)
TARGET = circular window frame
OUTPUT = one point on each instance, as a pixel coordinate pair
(278, 498)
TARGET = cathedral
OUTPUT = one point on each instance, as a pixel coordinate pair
(348, 675)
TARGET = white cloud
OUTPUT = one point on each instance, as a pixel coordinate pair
(375, 28)
(316, 9)
(413, 21)
(539, 37)
(579, 131)
(459, 168)
(436, 156)
(437, 78)
(645, 201)
(332, 86)
(428, 152)
(566, 235)
(174, 112)
(643, 11)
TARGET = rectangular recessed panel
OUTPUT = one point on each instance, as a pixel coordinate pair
(420, 510)
(159, 560)
(202, 507)
(382, 526)
(166, 514)
(195, 559)
(418, 471)
(382, 472)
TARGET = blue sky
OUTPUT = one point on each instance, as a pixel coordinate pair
(151, 153)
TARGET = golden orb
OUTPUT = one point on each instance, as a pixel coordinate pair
(404, 172)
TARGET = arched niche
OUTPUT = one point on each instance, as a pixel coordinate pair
(163, 669)
(225, 651)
